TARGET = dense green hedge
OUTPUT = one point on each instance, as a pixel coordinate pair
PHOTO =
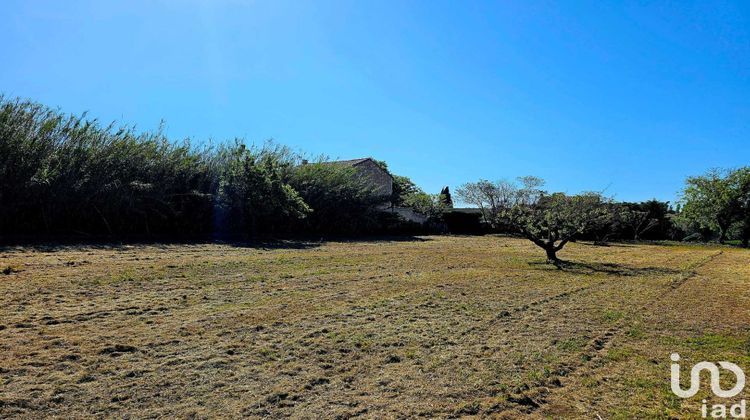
(63, 174)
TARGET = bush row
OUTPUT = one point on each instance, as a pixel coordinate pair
(67, 174)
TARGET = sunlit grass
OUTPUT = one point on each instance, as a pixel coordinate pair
(442, 326)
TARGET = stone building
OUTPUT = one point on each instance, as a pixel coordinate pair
(380, 180)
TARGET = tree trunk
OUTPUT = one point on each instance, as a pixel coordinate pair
(722, 234)
(745, 241)
(551, 255)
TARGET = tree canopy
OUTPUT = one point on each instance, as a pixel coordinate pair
(718, 201)
(549, 220)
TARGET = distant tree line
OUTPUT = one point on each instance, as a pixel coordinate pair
(65, 174)
(713, 206)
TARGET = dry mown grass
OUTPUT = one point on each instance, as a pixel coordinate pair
(438, 326)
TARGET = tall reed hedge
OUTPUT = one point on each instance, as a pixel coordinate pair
(67, 174)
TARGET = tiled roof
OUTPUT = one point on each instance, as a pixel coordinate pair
(350, 162)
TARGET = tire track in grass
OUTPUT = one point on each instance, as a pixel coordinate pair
(506, 314)
(531, 399)
(556, 297)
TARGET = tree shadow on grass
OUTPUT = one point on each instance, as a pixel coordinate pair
(612, 269)
(49, 245)
(607, 244)
(306, 243)
(378, 239)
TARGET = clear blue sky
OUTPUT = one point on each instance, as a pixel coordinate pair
(628, 96)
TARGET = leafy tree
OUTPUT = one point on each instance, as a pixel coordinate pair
(431, 205)
(407, 194)
(550, 221)
(253, 195)
(639, 222)
(739, 180)
(650, 219)
(607, 226)
(553, 220)
(403, 187)
(490, 198)
(341, 201)
(718, 201)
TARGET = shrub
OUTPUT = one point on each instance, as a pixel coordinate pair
(66, 174)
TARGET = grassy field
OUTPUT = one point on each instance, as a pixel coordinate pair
(431, 326)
